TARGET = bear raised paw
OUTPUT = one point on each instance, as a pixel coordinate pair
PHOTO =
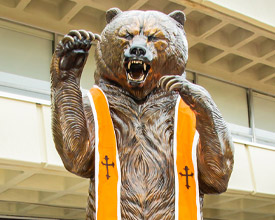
(156, 116)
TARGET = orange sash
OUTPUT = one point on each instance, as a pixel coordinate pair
(187, 202)
(107, 166)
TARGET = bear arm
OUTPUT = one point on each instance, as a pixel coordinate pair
(72, 123)
(214, 150)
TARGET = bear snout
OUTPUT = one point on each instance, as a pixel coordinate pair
(138, 52)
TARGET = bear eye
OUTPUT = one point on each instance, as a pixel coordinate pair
(128, 36)
(152, 38)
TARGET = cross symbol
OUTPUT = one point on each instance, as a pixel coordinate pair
(107, 165)
(187, 175)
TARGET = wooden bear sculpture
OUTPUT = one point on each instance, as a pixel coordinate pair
(149, 170)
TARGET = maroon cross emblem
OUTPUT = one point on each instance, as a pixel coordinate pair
(107, 165)
(187, 175)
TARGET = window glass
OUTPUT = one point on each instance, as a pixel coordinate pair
(231, 100)
(24, 53)
(264, 112)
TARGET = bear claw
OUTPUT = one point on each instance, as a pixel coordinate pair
(164, 80)
(98, 37)
(85, 34)
(171, 83)
(67, 38)
(92, 36)
(75, 33)
(175, 87)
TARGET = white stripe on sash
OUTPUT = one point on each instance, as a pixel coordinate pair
(97, 158)
(96, 150)
(175, 160)
(194, 160)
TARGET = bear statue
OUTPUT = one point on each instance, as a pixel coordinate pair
(141, 58)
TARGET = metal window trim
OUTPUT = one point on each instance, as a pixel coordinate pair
(251, 116)
(231, 83)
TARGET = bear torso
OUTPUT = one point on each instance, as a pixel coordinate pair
(144, 134)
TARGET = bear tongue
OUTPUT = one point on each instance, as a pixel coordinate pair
(136, 73)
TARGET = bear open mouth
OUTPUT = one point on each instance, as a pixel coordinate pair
(137, 71)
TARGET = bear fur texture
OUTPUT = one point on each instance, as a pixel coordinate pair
(141, 58)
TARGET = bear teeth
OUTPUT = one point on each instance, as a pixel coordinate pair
(136, 62)
(141, 78)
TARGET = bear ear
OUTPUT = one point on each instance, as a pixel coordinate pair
(179, 16)
(111, 13)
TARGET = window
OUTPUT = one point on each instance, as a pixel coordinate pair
(25, 59)
(264, 115)
(25, 51)
(25, 62)
(231, 100)
(232, 103)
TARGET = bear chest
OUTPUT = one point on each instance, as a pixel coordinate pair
(144, 137)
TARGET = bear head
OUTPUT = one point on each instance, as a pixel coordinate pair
(139, 47)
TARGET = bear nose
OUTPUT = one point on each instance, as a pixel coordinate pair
(137, 50)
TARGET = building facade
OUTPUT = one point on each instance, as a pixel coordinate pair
(231, 54)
